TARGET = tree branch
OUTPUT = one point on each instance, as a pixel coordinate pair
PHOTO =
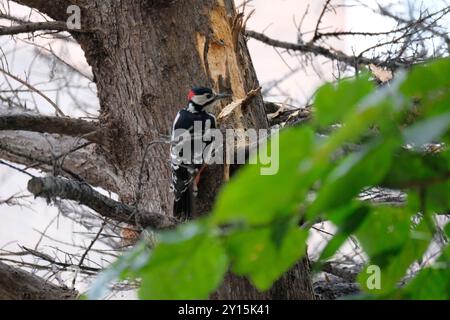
(16, 284)
(49, 124)
(347, 274)
(319, 21)
(422, 22)
(60, 155)
(321, 51)
(335, 289)
(34, 89)
(52, 187)
(35, 26)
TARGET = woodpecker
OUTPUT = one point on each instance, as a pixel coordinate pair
(190, 126)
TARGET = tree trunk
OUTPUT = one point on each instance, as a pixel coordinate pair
(145, 56)
(294, 285)
(145, 59)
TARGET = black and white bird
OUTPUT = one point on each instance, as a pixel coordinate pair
(190, 126)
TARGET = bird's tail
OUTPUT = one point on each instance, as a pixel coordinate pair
(182, 208)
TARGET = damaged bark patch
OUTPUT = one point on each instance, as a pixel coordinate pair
(218, 52)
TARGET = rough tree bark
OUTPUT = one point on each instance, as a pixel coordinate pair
(145, 55)
(20, 285)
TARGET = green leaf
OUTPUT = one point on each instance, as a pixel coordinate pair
(380, 109)
(438, 197)
(335, 102)
(435, 198)
(413, 169)
(359, 170)
(432, 283)
(384, 233)
(253, 198)
(429, 86)
(257, 254)
(348, 220)
(429, 284)
(392, 245)
(191, 269)
(424, 80)
(435, 105)
(427, 131)
(258, 214)
(185, 232)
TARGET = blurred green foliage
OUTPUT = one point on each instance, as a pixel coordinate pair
(253, 230)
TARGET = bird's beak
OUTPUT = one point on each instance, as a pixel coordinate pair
(221, 96)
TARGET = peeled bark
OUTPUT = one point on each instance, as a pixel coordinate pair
(145, 56)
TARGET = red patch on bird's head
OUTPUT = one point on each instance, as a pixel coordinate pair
(191, 94)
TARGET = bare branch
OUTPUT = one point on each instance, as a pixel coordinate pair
(54, 262)
(60, 155)
(319, 21)
(322, 51)
(422, 22)
(14, 200)
(49, 124)
(400, 47)
(32, 88)
(83, 257)
(35, 26)
(15, 168)
(52, 187)
(281, 115)
(335, 289)
(348, 274)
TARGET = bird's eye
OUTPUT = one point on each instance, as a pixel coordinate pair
(209, 96)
